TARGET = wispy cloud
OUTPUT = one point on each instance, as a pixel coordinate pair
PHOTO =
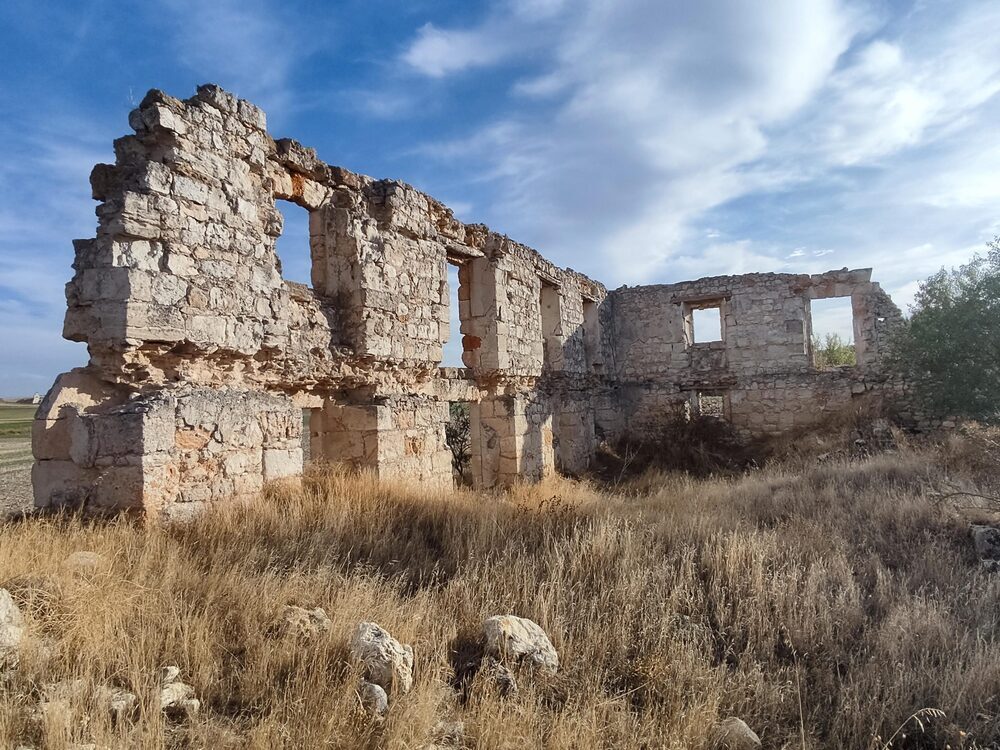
(251, 47)
(712, 138)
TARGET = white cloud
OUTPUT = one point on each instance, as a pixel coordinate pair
(437, 52)
(661, 104)
(649, 115)
(250, 47)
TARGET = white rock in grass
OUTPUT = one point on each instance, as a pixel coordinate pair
(59, 697)
(176, 698)
(374, 699)
(387, 662)
(734, 734)
(11, 630)
(521, 640)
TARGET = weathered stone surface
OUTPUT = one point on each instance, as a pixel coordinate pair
(60, 698)
(176, 698)
(387, 662)
(500, 676)
(202, 356)
(520, 640)
(304, 623)
(11, 630)
(374, 699)
(733, 734)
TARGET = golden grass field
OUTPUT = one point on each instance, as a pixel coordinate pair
(822, 604)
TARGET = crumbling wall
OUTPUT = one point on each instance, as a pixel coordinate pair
(762, 366)
(202, 358)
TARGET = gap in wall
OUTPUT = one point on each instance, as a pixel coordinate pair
(591, 336)
(832, 332)
(548, 303)
(307, 417)
(292, 247)
(452, 355)
(707, 324)
(458, 436)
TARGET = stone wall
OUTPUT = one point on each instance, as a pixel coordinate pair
(762, 366)
(203, 359)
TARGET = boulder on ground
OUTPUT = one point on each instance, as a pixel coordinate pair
(521, 640)
(304, 623)
(176, 698)
(387, 662)
(11, 630)
(374, 699)
(987, 542)
(733, 734)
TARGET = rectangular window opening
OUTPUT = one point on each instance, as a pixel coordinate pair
(706, 324)
(548, 303)
(309, 421)
(293, 245)
(592, 336)
(832, 340)
(712, 404)
(452, 354)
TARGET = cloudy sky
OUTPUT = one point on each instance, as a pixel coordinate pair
(634, 140)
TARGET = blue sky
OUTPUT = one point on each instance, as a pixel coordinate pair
(637, 141)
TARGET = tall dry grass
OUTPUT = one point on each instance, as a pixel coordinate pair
(822, 606)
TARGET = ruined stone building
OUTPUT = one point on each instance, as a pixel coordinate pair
(202, 358)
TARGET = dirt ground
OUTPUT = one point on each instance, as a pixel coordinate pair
(15, 456)
(15, 474)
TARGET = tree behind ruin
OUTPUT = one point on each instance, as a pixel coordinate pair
(949, 349)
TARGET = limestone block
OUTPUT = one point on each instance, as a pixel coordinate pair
(279, 464)
(387, 662)
(520, 640)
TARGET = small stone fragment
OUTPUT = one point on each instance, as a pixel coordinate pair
(304, 623)
(85, 562)
(502, 677)
(387, 662)
(733, 734)
(11, 630)
(374, 699)
(60, 697)
(447, 735)
(522, 640)
(176, 698)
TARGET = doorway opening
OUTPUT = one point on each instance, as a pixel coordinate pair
(458, 436)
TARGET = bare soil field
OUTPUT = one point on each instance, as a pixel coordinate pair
(15, 456)
(824, 605)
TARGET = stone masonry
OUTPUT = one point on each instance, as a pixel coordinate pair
(203, 359)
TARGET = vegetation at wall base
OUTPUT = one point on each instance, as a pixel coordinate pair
(825, 605)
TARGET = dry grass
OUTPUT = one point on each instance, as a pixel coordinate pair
(823, 606)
